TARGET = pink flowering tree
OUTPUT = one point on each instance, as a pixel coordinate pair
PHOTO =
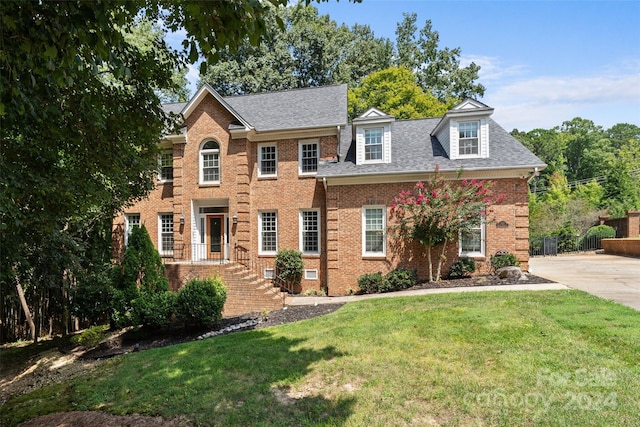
(436, 211)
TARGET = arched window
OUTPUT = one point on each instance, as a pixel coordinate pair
(210, 163)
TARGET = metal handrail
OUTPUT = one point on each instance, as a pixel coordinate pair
(257, 266)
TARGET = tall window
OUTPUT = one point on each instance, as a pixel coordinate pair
(267, 160)
(468, 139)
(210, 163)
(165, 166)
(472, 242)
(130, 222)
(310, 231)
(268, 238)
(308, 157)
(373, 144)
(166, 233)
(373, 230)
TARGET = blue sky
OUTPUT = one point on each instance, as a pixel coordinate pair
(542, 62)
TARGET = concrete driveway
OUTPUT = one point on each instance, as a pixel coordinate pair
(611, 277)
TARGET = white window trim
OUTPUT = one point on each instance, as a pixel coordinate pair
(201, 154)
(479, 131)
(301, 229)
(308, 142)
(161, 178)
(364, 144)
(260, 231)
(483, 234)
(260, 173)
(160, 241)
(311, 274)
(366, 253)
(128, 226)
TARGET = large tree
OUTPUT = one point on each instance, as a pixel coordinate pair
(313, 50)
(436, 70)
(394, 91)
(81, 117)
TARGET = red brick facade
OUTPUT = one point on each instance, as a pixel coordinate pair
(241, 195)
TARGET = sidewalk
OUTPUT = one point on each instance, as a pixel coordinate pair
(300, 300)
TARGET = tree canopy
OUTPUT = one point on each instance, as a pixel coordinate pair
(80, 89)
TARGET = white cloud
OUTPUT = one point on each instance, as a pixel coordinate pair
(491, 68)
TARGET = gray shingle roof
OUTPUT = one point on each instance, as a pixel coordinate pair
(293, 109)
(290, 109)
(413, 149)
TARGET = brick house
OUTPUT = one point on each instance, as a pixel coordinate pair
(249, 175)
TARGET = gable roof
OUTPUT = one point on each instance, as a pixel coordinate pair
(283, 110)
(294, 109)
(416, 150)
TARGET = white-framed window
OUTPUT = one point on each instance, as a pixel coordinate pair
(308, 154)
(268, 232)
(269, 273)
(373, 144)
(130, 222)
(165, 166)
(374, 222)
(468, 141)
(310, 231)
(165, 238)
(472, 242)
(267, 160)
(210, 163)
(311, 274)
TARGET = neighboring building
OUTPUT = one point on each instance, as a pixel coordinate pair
(258, 173)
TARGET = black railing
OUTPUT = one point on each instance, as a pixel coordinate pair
(554, 245)
(259, 266)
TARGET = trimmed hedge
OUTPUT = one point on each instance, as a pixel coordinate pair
(200, 302)
(462, 267)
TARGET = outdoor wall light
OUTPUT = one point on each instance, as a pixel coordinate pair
(235, 218)
(182, 219)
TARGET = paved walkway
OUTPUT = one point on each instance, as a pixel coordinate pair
(332, 300)
(611, 277)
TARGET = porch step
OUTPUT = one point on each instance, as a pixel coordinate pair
(246, 291)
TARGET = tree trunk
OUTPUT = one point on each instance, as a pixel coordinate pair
(27, 313)
(430, 264)
(441, 260)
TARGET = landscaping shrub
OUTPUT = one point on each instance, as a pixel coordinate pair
(154, 309)
(600, 231)
(505, 260)
(200, 302)
(91, 337)
(373, 283)
(289, 266)
(401, 278)
(462, 267)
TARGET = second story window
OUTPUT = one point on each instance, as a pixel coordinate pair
(210, 163)
(267, 160)
(131, 221)
(165, 166)
(468, 139)
(373, 144)
(308, 157)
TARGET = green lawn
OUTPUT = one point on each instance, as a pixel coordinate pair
(481, 359)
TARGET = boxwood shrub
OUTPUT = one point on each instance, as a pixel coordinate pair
(200, 302)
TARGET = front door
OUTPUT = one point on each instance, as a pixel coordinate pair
(215, 236)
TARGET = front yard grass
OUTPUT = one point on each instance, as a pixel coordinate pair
(492, 359)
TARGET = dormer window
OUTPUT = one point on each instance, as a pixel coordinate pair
(373, 144)
(468, 139)
(372, 133)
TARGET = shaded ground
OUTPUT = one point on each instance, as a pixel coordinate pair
(59, 364)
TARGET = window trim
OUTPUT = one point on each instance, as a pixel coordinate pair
(261, 174)
(477, 138)
(376, 254)
(161, 155)
(302, 231)
(300, 158)
(364, 144)
(161, 231)
(483, 233)
(261, 232)
(128, 226)
(201, 153)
